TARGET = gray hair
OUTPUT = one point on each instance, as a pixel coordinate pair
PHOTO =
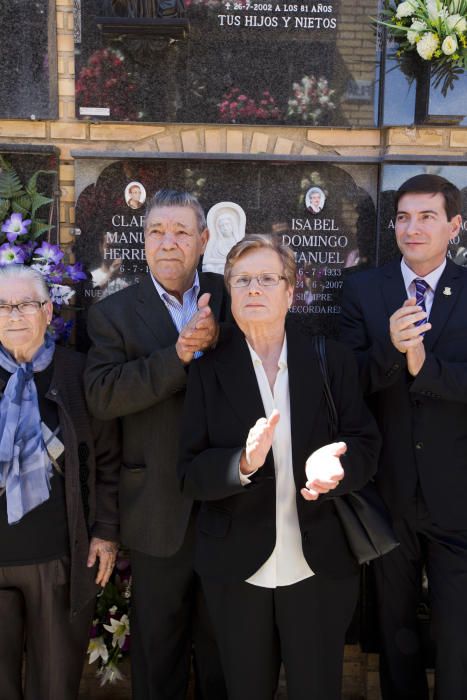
(255, 241)
(177, 198)
(23, 272)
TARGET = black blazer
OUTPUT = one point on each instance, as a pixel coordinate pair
(423, 420)
(133, 373)
(237, 524)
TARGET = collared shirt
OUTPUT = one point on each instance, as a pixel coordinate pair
(432, 280)
(286, 565)
(180, 313)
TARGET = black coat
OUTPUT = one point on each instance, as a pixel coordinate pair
(423, 420)
(92, 462)
(134, 373)
(237, 524)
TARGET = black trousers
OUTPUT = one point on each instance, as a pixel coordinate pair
(168, 617)
(398, 580)
(303, 625)
(35, 609)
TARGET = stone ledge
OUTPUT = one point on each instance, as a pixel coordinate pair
(68, 130)
(23, 129)
(123, 132)
(458, 138)
(416, 136)
(344, 137)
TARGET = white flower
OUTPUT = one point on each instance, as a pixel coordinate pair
(433, 9)
(120, 630)
(449, 45)
(61, 293)
(405, 9)
(43, 268)
(456, 23)
(427, 46)
(109, 674)
(416, 28)
(97, 649)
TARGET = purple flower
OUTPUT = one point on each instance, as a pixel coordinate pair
(55, 274)
(28, 248)
(10, 254)
(76, 272)
(60, 329)
(15, 226)
(48, 253)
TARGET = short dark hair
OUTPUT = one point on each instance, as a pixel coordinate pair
(178, 198)
(433, 184)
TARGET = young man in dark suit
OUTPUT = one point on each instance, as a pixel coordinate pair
(144, 338)
(407, 323)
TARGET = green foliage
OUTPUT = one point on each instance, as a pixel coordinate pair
(10, 185)
(39, 227)
(26, 201)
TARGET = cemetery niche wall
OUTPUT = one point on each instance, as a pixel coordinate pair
(28, 69)
(227, 61)
(392, 177)
(326, 213)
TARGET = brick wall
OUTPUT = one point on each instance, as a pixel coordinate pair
(67, 133)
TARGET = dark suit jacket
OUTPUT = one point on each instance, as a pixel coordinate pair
(237, 524)
(133, 372)
(423, 420)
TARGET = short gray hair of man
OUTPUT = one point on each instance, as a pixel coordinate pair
(258, 241)
(22, 272)
(177, 198)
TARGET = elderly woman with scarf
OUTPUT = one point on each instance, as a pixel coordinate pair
(58, 502)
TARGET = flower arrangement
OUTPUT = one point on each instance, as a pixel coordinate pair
(22, 241)
(312, 100)
(236, 106)
(435, 29)
(105, 82)
(109, 641)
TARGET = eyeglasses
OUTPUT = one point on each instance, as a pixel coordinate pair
(265, 279)
(25, 308)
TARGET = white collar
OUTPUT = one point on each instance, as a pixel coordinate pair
(431, 279)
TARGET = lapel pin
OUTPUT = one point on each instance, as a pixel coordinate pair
(447, 291)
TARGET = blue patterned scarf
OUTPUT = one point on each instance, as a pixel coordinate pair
(25, 467)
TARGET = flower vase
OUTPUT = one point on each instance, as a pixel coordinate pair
(441, 95)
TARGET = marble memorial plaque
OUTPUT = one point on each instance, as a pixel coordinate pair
(227, 61)
(28, 69)
(324, 212)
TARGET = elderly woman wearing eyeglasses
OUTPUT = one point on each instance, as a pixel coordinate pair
(279, 578)
(58, 502)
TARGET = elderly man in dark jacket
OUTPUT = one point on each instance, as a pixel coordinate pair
(58, 503)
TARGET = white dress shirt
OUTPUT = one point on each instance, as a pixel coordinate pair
(286, 565)
(432, 281)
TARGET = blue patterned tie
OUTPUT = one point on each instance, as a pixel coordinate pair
(420, 290)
